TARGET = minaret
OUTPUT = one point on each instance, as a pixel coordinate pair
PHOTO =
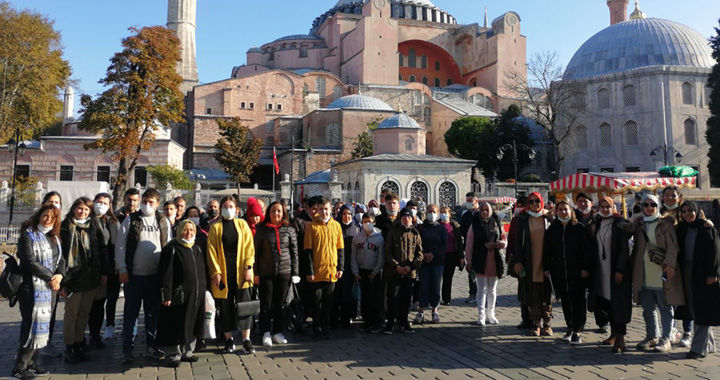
(618, 10)
(68, 105)
(181, 19)
(486, 18)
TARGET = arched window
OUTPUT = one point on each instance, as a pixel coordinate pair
(400, 77)
(423, 61)
(581, 137)
(425, 81)
(449, 82)
(332, 135)
(357, 192)
(687, 94)
(448, 194)
(408, 144)
(690, 132)
(392, 186)
(427, 115)
(402, 59)
(412, 61)
(437, 82)
(603, 99)
(337, 92)
(631, 133)
(605, 135)
(629, 95)
(412, 78)
(419, 189)
(320, 86)
(437, 65)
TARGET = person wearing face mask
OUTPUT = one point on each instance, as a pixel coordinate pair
(700, 256)
(454, 255)
(373, 208)
(141, 238)
(611, 285)
(183, 283)
(418, 217)
(360, 210)
(403, 256)
(366, 261)
(230, 261)
(211, 215)
(43, 268)
(484, 256)
(470, 209)
(566, 262)
(84, 250)
(520, 207)
(344, 306)
(108, 225)
(434, 242)
(656, 282)
(276, 265)
(527, 263)
(52, 198)
(389, 217)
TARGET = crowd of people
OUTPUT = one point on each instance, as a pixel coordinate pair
(388, 257)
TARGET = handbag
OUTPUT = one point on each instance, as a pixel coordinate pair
(248, 308)
(10, 279)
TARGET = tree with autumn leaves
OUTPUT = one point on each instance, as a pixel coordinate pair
(238, 151)
(143, 94)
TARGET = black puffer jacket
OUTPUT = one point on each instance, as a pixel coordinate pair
(93, 264)
(566, 254)
(269, 261)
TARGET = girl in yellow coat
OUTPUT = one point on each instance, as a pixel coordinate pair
(230, 259)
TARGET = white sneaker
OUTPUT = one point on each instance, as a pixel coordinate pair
(686, 340)
(267, 340)
(109, 333)
(481, 320)
(491, 319)
(279, 338)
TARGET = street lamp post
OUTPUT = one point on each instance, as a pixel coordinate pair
(308, 151)
(666, 151)
(514, 147)
(16, 146)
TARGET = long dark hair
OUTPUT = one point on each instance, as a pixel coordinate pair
(50, 194)
(84, 201)
(109, 214)
(32, 222)
(285, 218)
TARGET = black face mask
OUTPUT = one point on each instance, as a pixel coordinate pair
(212, 213)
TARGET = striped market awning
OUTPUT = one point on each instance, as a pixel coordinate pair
(617, 183)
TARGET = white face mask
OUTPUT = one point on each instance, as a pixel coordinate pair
(375, 211)
(604, 215)
(101, 209)
(188, 241)
(369, 226)
(57, 206)
(228, 213)
(196, 221)
(358, 217)
(587, 210)
(81, 221)
(146, 209)
(444, 217)
(432, 217)
(469, 205)
(42, 229)
(413, 212)
(564, 220)
(172, 215)
(391, 212)
(673, 207)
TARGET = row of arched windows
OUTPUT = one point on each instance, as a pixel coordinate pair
(447, 192)
(412, 60)
(631, 133)
(630, 96)
(426, 81)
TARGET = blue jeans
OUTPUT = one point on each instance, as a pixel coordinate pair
(430, 277)
(141, 291)
(649, 299)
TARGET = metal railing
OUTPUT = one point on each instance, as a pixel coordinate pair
(9, 234)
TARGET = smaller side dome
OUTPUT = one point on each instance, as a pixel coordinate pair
(399, 120)
(360, 102)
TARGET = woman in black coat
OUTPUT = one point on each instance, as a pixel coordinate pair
(276, 265)
(566, 262)
(183, 282)
(700, 260)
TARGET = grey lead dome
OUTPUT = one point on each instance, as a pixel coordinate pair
(360, 102)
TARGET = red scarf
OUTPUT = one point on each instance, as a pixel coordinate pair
(277, 234)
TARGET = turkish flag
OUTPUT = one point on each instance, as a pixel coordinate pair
(275, 162)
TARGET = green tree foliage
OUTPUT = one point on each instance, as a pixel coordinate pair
(479, 138)
(143, 94)
(713, 124)
(238, 150)
(530, 178)
(164, 174)
(363, 147)
(32, 72)
(25, 191)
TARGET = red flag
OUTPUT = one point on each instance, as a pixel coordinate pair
(275, 162)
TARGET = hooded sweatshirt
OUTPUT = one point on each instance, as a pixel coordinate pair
(368, 252)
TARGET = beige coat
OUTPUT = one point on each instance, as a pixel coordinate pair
(667, 241)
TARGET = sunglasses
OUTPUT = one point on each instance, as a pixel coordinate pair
(647, 205)
(534, 201)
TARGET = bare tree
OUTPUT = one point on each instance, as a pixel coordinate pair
(553, 103)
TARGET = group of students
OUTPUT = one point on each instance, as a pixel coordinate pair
(387, 257)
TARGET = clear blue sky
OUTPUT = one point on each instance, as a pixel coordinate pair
(92, 29)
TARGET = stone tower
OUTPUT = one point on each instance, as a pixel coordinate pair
(181, 19)
(618, 10)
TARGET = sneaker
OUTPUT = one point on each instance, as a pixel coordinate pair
(663, 346)
(36, 370)
(647, 344)
(575, 340)
(436, 317)
(21, 374)
(279, 338)
(109, 333)
(155, 353)
(50, 351)
(248, 347)
(127, 357)
(470, 299)
(388, 329)
(686, 340)
(407, 329)
(447, 303)
(267, 340)
(229, 346)
(492, 319)
(568, 336)
(481, 320)
(375, 330)
(419, 318)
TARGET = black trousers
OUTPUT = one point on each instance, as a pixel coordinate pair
(97, 315)
(399, 294)
(447, 278)
(113, 293)
(371, 299)
(574, 306)
(472, 284)
(272, 293)
(605, 307)
(322, 302)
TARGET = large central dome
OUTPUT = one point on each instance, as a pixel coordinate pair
(639, 43)
(418, 2)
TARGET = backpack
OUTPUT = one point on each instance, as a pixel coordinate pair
(10, 279)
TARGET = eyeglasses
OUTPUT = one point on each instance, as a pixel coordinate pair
(648, 205)
(534, 201)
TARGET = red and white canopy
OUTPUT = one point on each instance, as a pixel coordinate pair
(615, 183)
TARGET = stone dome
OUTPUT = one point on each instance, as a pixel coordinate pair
(639, 43)
(360, 102)
(427, 3)
(399, 120)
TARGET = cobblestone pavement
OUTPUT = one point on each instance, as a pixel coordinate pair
(454, 349)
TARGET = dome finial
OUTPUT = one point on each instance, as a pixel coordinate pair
(637, 13)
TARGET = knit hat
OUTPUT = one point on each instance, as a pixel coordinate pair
(254, 209)
(373, 203)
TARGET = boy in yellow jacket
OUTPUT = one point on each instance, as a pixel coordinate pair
(325, 253)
